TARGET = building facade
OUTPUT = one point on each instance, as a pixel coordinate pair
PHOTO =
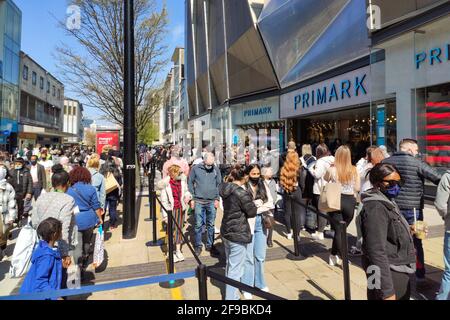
(73, 117)
(10, 43)
(41, 105)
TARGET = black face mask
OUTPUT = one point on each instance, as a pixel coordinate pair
(33, 162)
(254, 181)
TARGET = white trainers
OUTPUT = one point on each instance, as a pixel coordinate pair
(179, 256)
(247, 296)
(334, 260)
(216, 231)
(265, 289)
(289, 236)
(175, 258)
(317, 236)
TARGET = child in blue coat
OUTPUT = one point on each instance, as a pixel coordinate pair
(46, 269)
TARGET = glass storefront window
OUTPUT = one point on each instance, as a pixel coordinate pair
(434, 125)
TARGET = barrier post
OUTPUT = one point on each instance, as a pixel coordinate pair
(151, 187)
(202, 277)
(170, 240)
(345, 264)
(296, 256)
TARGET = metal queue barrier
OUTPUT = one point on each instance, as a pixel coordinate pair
(202, 271)
(341, 230)
(152, 204)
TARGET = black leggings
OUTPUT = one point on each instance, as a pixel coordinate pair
(296, 209)
(402, 287)
(348, 204)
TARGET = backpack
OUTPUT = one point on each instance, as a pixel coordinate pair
(307, 180)
(21, 259)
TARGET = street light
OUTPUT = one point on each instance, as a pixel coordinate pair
(129, 194)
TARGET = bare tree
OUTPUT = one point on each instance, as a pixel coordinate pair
(97, 72)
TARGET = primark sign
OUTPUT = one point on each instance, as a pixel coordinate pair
(345, 90)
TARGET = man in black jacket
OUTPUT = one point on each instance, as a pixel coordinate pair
(414, 172)
(38, 176)
(20, 179)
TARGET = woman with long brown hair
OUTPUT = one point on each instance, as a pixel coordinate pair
(347, 175)
(289, 182)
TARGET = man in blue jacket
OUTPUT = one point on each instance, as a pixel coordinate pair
(203, 183)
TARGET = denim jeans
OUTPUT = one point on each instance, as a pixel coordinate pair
(235, 257)
(112, 205)
(420, 258)
(256, 256)
(203, 211)
(444, 292)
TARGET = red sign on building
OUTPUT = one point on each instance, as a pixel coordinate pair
(109, 139)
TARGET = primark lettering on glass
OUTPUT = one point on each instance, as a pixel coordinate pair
(433, 56)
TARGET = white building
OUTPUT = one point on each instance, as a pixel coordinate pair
(72, 123)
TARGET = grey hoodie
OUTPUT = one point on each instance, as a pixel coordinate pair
(442, 201)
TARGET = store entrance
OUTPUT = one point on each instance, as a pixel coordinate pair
(353, 127)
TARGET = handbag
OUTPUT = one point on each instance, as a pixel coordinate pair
(330, 197)
(21, 259)
(268, 220)
(111, 183)
(99, 249)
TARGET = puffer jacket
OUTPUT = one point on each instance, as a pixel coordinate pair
(387, 239)
(21, 181)
(238, 207)
(414, 172)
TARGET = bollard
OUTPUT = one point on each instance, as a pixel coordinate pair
(297, 255)
(345, 264)
(151, 187)
(170, 240)
(155, 242)
(202, 277)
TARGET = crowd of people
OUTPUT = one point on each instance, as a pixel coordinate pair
(64, 196)
(67, 198)
(383, 193)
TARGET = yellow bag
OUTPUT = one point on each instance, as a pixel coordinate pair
(111, 183)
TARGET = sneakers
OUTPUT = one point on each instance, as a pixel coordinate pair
(247, 296)
(334, 260)
(265, 289)
(175, 258)
(289, 236)
(317, 235)
(216, 231)
(354, 251)
(179, 256)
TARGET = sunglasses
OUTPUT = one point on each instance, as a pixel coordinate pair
(393, 183)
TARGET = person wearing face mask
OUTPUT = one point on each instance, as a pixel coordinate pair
(256, 251)
(175, 158)
(7, 208)
(38, 175)
(414, 171)
(388, 248)
(175, 196)
(204, 180)
(21, 180)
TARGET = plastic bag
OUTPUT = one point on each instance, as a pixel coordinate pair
(73, 277)
(23, 250)
(99, 249)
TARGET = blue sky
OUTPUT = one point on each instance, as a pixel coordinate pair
(40, 34)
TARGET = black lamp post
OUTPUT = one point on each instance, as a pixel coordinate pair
(129, 201)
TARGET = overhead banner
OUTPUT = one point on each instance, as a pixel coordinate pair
(109, 139)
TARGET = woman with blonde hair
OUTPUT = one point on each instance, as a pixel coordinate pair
(175, 196)
(98, 180)
(347, 175)
(289, 182)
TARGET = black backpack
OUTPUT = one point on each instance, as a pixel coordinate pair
(307, 179)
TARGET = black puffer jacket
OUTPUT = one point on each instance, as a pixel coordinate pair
(238, 206)
(387, 240)
(413, 172)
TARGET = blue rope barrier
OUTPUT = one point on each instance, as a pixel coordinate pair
(101, 287)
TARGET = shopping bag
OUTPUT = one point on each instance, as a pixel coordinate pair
(311, 220)
(73, 277)
(21, 259)
(330, 197)
(99, 249)
(111, 183)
